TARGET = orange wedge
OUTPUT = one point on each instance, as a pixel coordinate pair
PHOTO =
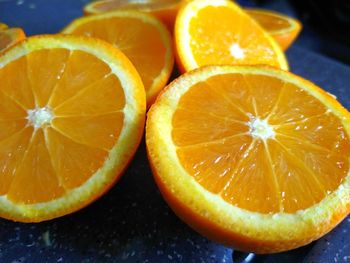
(165, 10)
(220, 32)
(68, 128)
(282, 28)
(254, 158)
(141, 37)
(9, 37)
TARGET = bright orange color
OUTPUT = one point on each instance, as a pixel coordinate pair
(164, 10)
(255, 158)
(282, 28)
(69, 128)
(9, 37)
(219, 32)
(142, 38)
(3, 26)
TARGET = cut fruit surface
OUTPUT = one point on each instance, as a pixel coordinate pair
(282, 28)
(9, 37)
(220, 32)
(255, 158)
(142, 38)
(165, 10)
(69, 128)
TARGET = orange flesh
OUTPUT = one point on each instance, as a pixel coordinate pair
(270, 21)
(215, 48)
(139, 41)
(306, 159)
(42, 163)
(149, 5)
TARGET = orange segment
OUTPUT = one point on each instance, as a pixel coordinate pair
(9, 108)
(71, 79)
(143, 39)
(69, 155)
(194, 130)
(292, 172)
(100, 131)
(320, 130)
(215, 170)
(22, 95)
(164, 10)
(264, 93)
(42, 81)
(110, 98)
(247, 155)
(252, 184)
(67, 132)
(233, 95)
(9, 37)
(331, 169)
(287, 110)
(9, 127)
(282, 28)
(36, 162)
(12, 150)
(219, 32)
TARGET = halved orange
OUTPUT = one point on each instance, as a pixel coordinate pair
(165, 10)
(141, 37)
(9, 37)
(71, 117)
(254, 158)
(282, 28)
(219, 32)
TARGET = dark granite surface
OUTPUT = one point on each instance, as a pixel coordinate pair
(132, 223)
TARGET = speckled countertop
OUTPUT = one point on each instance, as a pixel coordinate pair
(132, 223)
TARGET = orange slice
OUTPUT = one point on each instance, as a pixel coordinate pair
(282, 28)
(165, 10)
(220, 32)
(9, 37)
(68, 128)
(142, 38)
(255, 158)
